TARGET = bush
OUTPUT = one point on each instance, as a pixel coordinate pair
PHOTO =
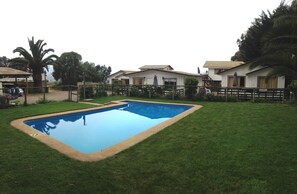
(293, 88)
(201, 95)
(100, 92)
(191, 87)
(116, 86)
(42, 101)
(58, 86)
(159, 92)
(173, 94)
(213, 98)
(4, 102)
(89, 92)
(134, 92)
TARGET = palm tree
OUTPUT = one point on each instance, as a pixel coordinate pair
(279, 50)
(36, 61)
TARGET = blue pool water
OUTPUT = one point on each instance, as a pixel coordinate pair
(92, 131)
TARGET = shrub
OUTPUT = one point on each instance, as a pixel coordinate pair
(100, 92)
(134, 92)
(58, 86)
(293, 88)
(213, 98)
(116, 87)
(89, 92)
(201, 95)
(4, 102)
(172, 95)
(191, 87)
(159, 92)
(42, 101)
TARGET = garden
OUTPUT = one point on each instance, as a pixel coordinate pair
(221, 148)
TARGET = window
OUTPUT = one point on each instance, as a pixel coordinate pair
(138, 81)
(264, 82)
(240, 82)
(125, 81)
(170, 83)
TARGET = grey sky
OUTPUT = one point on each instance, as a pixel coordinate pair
(127, 34)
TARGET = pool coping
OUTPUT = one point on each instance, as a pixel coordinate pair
(108, 152)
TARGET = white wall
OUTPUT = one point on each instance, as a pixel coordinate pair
(149, 77)
(118, 76)
(251, 80)
(212, 75)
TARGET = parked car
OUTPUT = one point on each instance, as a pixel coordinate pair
(13, 91)
(21, 92)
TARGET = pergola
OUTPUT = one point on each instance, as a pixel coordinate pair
(6, 72)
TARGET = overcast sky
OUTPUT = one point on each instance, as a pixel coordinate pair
(127, 34)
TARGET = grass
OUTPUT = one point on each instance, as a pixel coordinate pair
(221, 148)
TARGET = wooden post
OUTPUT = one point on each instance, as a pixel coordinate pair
(84, 77)
(77, 93)
(69, 95)
(26, 91)
(44, 86)
(226, 94)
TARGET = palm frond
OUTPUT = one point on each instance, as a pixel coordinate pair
(23, 52)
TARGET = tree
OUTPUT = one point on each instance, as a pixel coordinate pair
(95, 73)
(104, 72)
(89, 72)
(67, 68)
(4, 61)
(35, 61)
(272, 42)
(279, 48)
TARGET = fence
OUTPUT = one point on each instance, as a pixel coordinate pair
(85, 91)
(32, 95)
(192, 92)
(253, 94)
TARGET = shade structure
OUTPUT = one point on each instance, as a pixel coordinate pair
(235, 80)
(155, 81)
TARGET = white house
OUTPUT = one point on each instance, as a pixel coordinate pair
(251, 78)
(216, 67)
(162, 67)
(164, 75)
(119, 75)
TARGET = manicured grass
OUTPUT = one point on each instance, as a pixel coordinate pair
(221, 148)
(108, 99)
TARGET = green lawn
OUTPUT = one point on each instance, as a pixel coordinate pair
(221, 148)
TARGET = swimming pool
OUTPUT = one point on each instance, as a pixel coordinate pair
(90, 132)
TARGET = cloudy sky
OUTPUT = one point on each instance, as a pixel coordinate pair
(127, 34)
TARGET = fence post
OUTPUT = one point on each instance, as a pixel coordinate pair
(172, 92)
(69, 95)
(42, 87)
(253, 94)
(226, 94)
(26, 91)
(78, 94)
